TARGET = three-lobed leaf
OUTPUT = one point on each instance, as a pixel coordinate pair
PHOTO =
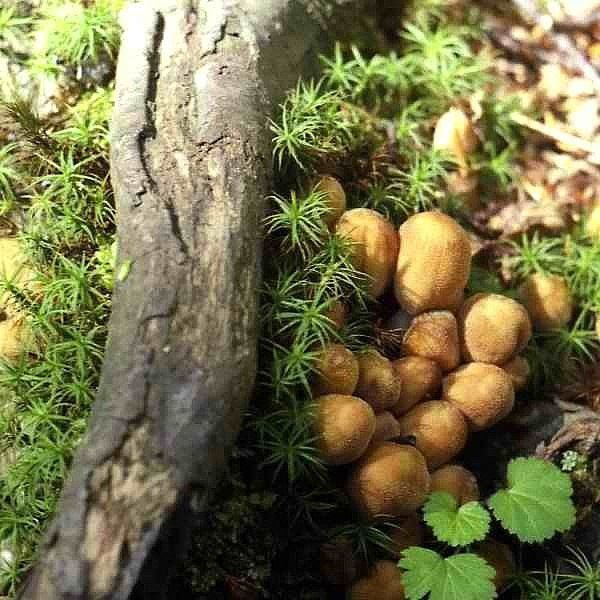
(537, 502)
(453, 524)
(459, 577)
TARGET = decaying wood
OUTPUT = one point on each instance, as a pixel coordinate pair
(191, 164)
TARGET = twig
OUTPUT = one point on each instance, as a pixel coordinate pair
(563, 137)
(575, 59)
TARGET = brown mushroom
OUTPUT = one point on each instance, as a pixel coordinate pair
(484, 393)
(434, 335)
(391, 479)
(420, 378)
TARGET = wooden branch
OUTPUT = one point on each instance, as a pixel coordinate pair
(556, 134)
(191, 164)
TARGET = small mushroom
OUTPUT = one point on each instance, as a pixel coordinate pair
(14, 337)
(336, 198)
(455, 135)
(500, 557)
(336, 371)
(337, 314)
(493, 328)
(407, 532)
(433, 263)
(483, 393)
(344, 426)
(391, 479)
(420, 378)
(339, 565)
(377, 381)
(519, 371)
(386, 428)
(439, 428)
(383, 582)
(434, 335)
(456, 481)
(375, 246)
(548, 300)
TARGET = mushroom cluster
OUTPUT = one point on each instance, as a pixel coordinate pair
(397, 422)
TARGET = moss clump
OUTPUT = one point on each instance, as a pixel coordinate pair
(233, 541)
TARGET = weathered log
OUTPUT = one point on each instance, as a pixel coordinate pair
(191, 164)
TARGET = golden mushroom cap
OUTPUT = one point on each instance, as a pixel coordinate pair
(383, 582)
(408, 531)
(14, 337)
(434, 263)
(336, 371)
(519, 371)
(14, 266)
(483, 393)
(439, 428)
(339, 565)
(455, 135)
(391, 479)
(548, 300)
(434, 335)
(377, 381)
(375, 247)
(420, 378)
(456, 481)
(336, 198)
(344, 426)
(493, 328)
(500, 557)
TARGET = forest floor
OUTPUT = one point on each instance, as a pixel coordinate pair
(525, 73)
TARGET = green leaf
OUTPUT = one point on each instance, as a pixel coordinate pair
(537, 503)
(453, 524)
(459, 577)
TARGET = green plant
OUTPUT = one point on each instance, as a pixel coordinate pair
(75, 33)
(535, 505)
(64, 194)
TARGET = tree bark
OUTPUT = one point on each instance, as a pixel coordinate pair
(191, 164)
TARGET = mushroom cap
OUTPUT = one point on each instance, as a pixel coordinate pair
(420, 378)
(433, 263)
(439, 428)
(339, 565)
(455, 134)
(336, 371)
(386, 428)
(408, 531)
(344, 426)
(336, 198)
(14, 266)
(337, 314)
(484, 393)
(456, 481)
(519, 371)
(377, 381)
(548, 300)
(493, 328)
(14, 337)
(375, 246)
(383, 582)
(391, 479)
(434, 335)
(500, 557)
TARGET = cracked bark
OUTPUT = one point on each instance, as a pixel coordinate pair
(191, 163)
